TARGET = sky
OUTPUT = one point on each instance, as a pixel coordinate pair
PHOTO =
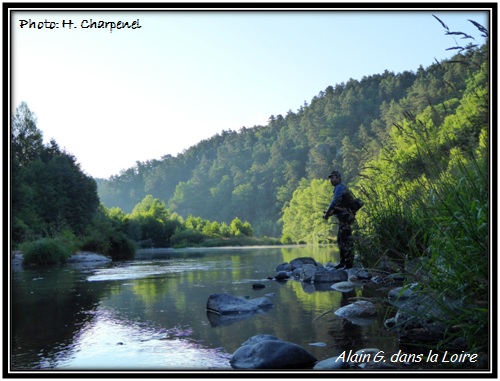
(112, 97)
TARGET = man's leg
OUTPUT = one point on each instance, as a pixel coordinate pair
(345, 247)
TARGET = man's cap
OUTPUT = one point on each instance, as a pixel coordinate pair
(334, 173)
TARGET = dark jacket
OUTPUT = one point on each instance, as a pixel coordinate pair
(341, 202)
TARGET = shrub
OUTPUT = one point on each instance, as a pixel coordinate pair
(45, 252)
(186, 237)
(121, 248)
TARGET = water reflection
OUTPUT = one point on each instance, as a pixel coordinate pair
(150, 313)
(109, 342)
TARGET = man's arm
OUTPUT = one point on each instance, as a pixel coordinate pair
(337, 198)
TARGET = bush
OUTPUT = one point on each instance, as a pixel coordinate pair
(241, 241)
(286, 239)
(112, 243)
(45, 252)
(121, 248)
(187, 237)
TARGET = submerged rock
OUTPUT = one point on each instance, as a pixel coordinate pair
(228, 304)
(258, 286)
(331, 363)
(300, 262)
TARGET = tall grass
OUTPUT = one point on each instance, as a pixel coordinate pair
(438, 215)
(45, 252)
(459, 248)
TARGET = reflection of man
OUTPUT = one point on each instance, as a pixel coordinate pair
(340, 207)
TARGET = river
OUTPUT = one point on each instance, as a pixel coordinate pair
(150, 314)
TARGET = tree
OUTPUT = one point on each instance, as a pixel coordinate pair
(302, 220)
(26, 138)
(153, 221)
(238, 228)
(50, 193)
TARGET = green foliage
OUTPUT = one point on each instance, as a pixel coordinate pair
(121, 247)
(241, 241)
(50, 193)
(459, 255)
(151, 224)
(302, 219)
(428, 197)
(106, 235)
(187, 238)
(45, 252)
(239, 228)
(55, 207)
(26, 138)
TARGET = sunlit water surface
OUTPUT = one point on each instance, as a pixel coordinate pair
(150, 313)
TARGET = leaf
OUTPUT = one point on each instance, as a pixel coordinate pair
(480, 27)
(442, 23)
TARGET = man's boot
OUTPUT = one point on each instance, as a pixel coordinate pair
(348, 264)
(342, 262)
(340, 265)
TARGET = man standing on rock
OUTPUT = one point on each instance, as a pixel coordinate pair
(341, 208)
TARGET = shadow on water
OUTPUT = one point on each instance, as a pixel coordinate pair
(150, 313)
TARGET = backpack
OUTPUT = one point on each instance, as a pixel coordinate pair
(357, 204)
(351, 202)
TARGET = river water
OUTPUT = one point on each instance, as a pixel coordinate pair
(150, 314)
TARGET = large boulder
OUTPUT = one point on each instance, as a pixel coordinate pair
(317, 274)
(307, 273)
(269, 352)
(421, 318)
(300, 262)
(228, 304)
(330, 276)
(282, 275)
(399, 296)
(283, 267)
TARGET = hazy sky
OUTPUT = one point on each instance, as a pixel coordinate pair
(114, 98)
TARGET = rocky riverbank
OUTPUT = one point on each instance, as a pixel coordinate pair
(420, 320)
(81, 257)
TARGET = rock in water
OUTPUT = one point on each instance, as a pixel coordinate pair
(227, 304)
(360, 313)
(269, 352)
(345, 286)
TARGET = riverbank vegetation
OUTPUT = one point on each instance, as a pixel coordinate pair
(427, 192)
(56, 210)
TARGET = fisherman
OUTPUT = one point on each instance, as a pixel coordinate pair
(341, 208)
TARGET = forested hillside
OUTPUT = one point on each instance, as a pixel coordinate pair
(252, 173)
(50, 192)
